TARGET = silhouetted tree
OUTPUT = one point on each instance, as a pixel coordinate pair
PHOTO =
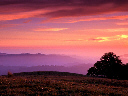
(99, 68)
(108, 66)
(124, 72)
(92, 71)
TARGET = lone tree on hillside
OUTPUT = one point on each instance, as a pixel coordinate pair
(108, 66)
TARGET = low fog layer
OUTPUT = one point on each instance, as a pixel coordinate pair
(80, 69)
(40, 62)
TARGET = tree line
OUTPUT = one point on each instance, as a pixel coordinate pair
(109, 66)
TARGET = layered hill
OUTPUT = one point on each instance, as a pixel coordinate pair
(27, 62)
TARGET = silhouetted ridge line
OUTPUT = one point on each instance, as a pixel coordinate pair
(53, 73)
(22, 54)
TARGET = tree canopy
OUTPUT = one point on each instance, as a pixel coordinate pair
(109, 66)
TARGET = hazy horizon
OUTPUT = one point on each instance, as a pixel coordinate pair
(27, 62)
(84, 58)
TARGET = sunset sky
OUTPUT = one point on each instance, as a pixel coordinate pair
(73, 27)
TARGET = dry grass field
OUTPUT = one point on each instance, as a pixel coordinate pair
(49, 85)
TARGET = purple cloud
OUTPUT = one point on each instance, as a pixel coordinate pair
(63, 8)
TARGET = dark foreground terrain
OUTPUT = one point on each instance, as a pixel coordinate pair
(57, 85)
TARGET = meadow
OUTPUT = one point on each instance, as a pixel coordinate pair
(60, 85)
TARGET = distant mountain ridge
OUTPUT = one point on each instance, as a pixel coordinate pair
(26, 62)
(3, 54)
(27, 59)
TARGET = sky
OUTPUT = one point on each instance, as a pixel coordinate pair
(87, 28)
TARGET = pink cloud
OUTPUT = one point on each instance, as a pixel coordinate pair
(111, 38)
(75, 40)
(17, 9)
(49, 29)
(7, 25)
(122, 23)
(21, 15)
(107, 30)
(27, 21)
(76, 19)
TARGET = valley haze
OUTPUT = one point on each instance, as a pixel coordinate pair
(26, 62)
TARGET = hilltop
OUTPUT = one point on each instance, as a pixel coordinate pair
(61, 84)
(47, 73)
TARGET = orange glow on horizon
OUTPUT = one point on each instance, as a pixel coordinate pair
(60, 25)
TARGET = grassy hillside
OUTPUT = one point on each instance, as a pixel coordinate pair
(62, 85)
(47, 73)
